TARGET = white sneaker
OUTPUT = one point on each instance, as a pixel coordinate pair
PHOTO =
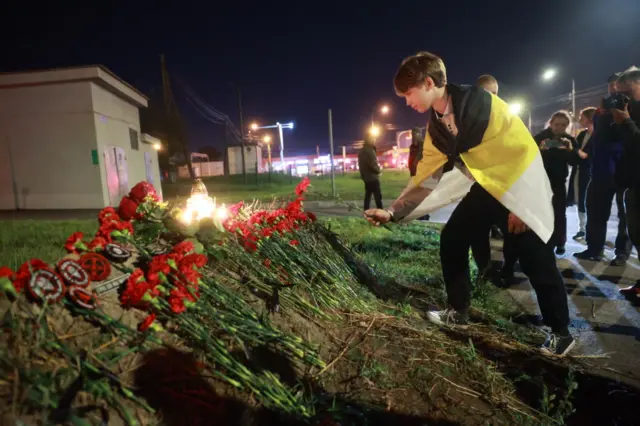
(447, 318)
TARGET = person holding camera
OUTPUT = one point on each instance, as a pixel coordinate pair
(626, 115)
(579, 179)
(607, 182)
(558, 152)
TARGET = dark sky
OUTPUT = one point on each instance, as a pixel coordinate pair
(294, 61)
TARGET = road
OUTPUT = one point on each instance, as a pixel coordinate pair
(603, 321)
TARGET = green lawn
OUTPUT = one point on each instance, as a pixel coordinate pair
(27, 239)
(230, 189)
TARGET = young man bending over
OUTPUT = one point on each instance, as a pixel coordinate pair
(473, 130)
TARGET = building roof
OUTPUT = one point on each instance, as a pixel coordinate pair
(98, 74)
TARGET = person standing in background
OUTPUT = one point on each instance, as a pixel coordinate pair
(370, 172)
(558, 152)
(579, 179)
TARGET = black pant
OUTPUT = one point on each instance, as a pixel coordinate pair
(632, 205)
(372, 188)
(600, 195)
(559, 201)
(583, 184)
(481, 248)
(478, 210)
(510, 254)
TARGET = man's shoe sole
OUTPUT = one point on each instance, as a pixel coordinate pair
(566, 351)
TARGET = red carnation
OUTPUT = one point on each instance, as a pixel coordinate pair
(234, 209)
(146, 323)
(176, 303)
(302, 186)
(294, 242)
(135, 290)
(97, 244)
(184, 248)
(143, 189)
(23, 274)
(74, 243)
(6, 274)
(108, 213)
(128, 208)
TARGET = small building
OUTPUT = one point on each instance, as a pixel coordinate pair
(70, 139)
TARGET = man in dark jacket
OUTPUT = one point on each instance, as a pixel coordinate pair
(370, 172)
(605, 151)
(628, 123)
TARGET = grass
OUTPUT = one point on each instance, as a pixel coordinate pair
(27, 239)
(231, 189)
(392, 348)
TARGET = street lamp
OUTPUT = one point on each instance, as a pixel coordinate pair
(267, 140)
(157, 146)
(515, 108)
(374, 131)
(385, 109)
(278, 126)
(548, 75)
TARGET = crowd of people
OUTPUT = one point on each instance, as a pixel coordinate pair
(523, 184)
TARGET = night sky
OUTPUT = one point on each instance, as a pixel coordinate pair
(293, 62)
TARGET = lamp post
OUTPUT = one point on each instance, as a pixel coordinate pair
(517, 107)
(549, 75)
(267, 140)
(383, 110)
(278, 126)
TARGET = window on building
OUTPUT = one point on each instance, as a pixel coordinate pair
(135, 141)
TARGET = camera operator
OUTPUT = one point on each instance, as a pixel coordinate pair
(627, 119)
(606, 184)
(558, 152)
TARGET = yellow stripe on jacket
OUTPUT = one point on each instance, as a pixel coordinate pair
(508, 164)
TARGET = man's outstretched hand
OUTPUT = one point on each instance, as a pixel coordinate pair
(377, 217)
(516, 225)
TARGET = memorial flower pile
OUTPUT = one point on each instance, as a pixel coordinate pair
(187, 279)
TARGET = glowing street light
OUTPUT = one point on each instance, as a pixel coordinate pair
(549, 74)
(157, 146)
(266, 139)
(374, 131)
(254, 126)
(516, 108)
(385, 109)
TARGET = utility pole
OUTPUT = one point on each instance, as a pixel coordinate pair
(333, 177)
(573, 107)
(173, 116)
(244, 168)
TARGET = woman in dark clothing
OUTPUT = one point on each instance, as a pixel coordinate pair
(580, 174)
(558, 152)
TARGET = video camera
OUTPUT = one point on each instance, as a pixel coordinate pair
(615, 101)
(555, 143)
